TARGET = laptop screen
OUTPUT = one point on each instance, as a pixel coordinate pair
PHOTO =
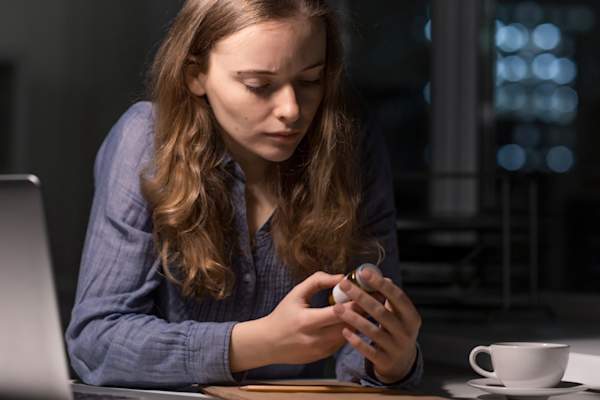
(32, 357)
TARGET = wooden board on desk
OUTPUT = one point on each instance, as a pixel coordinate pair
(311, 391)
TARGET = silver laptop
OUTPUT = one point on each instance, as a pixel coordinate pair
(33, 364)
(32, 358)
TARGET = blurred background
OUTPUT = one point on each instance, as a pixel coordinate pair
(488, 108)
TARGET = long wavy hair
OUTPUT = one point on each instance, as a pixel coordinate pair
(315, 223)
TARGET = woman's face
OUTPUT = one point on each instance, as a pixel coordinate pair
(264, 84)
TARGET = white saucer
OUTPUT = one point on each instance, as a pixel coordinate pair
(494, 386)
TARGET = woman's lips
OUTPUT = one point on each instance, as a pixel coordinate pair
(283, 136)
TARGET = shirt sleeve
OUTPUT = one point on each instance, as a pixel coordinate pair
(378, 218)
(114, 338)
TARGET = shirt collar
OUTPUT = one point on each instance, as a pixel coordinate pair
(233, 167)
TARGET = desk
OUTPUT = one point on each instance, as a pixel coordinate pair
(439, 380)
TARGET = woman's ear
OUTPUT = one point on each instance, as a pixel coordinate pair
(195, 80)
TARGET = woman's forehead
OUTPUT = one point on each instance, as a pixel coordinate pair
(275, 46)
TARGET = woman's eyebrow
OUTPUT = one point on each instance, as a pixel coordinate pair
(267, 72)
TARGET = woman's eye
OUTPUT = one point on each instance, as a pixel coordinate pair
(257, 87)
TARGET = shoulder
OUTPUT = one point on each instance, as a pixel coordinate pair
(134, 131)
(131, 138)
(128, 147)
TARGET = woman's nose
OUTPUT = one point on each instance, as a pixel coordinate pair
(287, 108)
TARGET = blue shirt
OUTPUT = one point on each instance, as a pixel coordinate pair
(131, 326)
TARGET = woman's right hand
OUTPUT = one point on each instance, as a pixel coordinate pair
(300, 334)
(293, 333)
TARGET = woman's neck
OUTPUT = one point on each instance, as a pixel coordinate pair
(255, 167)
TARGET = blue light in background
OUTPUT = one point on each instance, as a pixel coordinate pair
(511, 38)
(560, 159)
(541, 101)
(511, 157)
(564, 100)
(513, 68)
(566, 71)
(544, 66)
(511, 97)
(499, 25)
(535, 79)
(546, 36)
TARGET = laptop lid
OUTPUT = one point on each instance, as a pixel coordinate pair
(32, 357)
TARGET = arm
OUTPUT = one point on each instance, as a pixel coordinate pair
(377, 215)
(114, 337)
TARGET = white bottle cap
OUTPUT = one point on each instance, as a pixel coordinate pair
(339, 296)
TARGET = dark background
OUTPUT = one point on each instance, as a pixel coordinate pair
(482, 227)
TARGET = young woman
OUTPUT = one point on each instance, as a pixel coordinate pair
(226, 208)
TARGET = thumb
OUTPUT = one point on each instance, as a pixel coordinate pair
(315, 283)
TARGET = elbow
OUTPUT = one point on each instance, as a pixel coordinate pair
(88, 349)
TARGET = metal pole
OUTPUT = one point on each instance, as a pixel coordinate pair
(506, 242)
(533, 243)
(455, 102)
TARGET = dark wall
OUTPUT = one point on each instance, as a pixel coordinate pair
(76, 66)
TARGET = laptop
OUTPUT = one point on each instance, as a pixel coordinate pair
(33, 362)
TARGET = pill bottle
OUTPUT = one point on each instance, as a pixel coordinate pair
(338, 296)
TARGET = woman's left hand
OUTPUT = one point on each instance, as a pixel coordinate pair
(393, 351)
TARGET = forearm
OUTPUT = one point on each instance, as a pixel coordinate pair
(145, 351)
(251, 346)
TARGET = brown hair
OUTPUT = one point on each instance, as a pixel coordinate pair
(314, 226)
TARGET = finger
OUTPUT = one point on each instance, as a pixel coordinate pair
(404, 307)
(375, 309)
(399, 301)
(323, 317)
(315, 283)
(371, 353)
(379, 297)
(376, 333)
(354, 306)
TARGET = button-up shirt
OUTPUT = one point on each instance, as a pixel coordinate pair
(131, 326)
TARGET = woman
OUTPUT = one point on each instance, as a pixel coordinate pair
(225, 209)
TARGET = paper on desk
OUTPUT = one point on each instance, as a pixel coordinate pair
(583, 368)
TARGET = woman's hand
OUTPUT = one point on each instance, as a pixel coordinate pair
(294, 333)
(302, 334)
(393, 350)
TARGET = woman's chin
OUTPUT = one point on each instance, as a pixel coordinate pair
(277, 155)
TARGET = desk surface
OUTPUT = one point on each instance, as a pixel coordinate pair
(439, 380)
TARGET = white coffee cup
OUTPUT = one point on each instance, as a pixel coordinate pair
(524, 364)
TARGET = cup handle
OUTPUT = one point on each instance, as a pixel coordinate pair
(477, 368)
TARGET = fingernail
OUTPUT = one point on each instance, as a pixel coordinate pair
(345, 285)
(338, 309)
(366, 273)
